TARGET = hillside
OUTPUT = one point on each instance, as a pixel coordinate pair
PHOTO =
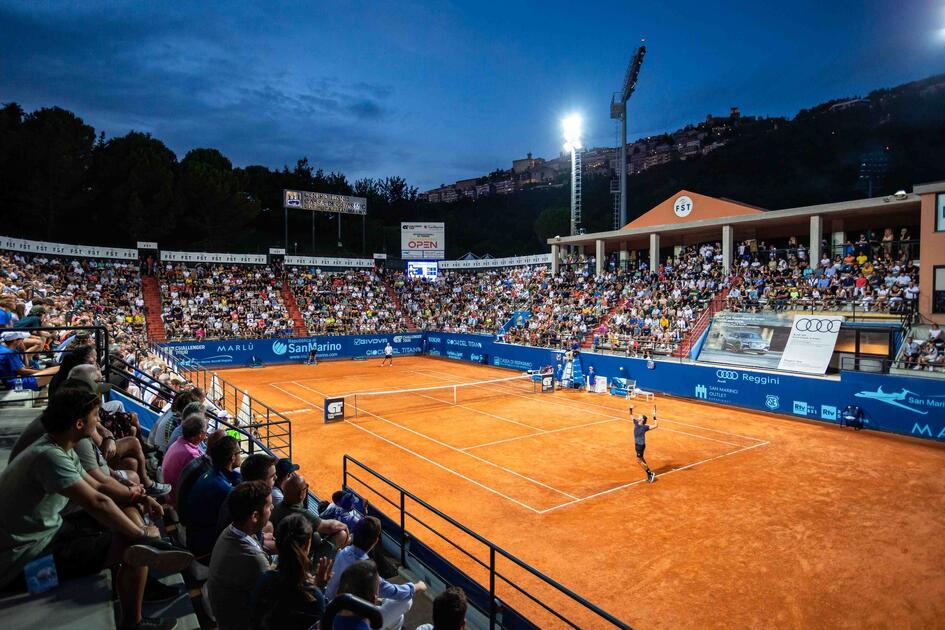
(63, 182)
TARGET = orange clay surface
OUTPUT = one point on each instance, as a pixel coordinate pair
(754, 521)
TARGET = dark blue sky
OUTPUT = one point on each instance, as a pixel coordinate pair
(437, 91)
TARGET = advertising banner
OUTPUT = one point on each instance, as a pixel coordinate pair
(423, 241)
(210, 257)
(62, 249)
(241, 352)
(326, 261)
(811, 343)
(755, 339)
(488, 263)
(334, 409)
(323, 202)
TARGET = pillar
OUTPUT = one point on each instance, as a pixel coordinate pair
(555, 258)
(728, 248)
(654, 252)
(599, 256)
(837, 238)
(816, 234)
(624, 255)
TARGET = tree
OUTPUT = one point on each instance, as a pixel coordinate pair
(215, 207)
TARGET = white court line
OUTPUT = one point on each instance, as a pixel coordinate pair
(496, 492)
(486, 413)
(574, 404)
(633, 483)
(453, 448)
(287, 413)
(522, 437)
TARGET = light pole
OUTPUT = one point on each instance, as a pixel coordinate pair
(572, 143)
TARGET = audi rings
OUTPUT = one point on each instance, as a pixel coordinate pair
(730, 375)
(813, 324)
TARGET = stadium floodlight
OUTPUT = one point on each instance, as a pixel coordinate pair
(572, 132)
(572, 144)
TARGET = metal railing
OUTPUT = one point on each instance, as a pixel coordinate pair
(271, 428)
(883, 365)
(601, 617)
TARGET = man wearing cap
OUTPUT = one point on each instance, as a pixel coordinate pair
(296, 492)
(284, 469)
(12, 365)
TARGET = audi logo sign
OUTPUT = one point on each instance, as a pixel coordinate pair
(813, 324)
(730, 375)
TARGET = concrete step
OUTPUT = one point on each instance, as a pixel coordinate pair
(78, 604)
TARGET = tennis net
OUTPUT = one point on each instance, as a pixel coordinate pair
(423, 398)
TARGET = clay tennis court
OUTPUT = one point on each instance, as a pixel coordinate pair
(755, 520)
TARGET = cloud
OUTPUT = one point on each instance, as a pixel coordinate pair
(190, 85)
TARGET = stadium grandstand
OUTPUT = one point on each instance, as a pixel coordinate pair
(466, 427)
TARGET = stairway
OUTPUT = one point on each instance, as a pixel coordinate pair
(153, 323)
(398, 307)
(684, 347)
(299, 329)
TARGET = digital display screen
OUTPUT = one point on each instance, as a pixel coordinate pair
(422, 269)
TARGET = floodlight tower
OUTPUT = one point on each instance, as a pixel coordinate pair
(618, 111)
(572, 143)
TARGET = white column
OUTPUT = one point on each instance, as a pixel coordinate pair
(624, 254)
(816, 234)
(728, 246)
(599, 256)
(654, 251)
(838, 238)
(555, 258)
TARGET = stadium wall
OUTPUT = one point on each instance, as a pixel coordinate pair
(896, 404)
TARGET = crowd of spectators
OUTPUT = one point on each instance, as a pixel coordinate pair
(349, 302)
(48, 291)
(463, 301)
(870, 275)
(206, 301)
(928, 354)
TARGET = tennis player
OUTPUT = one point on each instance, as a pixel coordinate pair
(388, 355)
(640, 427)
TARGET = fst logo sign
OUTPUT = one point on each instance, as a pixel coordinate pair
(334, 409)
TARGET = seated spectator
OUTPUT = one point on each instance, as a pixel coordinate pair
(333, 509)
(191, 472)
(13, 366)
(256, 467)
(39, 483)
(361, 580)
(209, 492)
(291, 597)
(163, 428)
(910, 352)
(238, 560)
(449, 611)
(284, 468)
(397, 598)
(296, 494)
(186, 448)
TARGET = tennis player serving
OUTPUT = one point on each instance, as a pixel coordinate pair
(640, 427)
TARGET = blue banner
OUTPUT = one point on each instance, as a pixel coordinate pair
(907, 405)
(242, 352)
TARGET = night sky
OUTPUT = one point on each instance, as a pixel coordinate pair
(438, 91)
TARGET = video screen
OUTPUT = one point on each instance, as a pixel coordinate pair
(422, 269)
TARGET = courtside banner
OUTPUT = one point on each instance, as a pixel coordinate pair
(811, 343)
(750, 339)
(423, 241)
